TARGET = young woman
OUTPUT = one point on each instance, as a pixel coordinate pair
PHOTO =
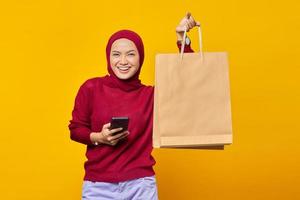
(119, 164)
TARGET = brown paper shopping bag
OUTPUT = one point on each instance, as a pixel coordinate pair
(192, 99)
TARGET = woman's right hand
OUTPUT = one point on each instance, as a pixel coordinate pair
(106, 136)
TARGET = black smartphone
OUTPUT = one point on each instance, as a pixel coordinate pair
(119, 122)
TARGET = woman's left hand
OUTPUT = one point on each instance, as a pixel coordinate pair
(186, 23)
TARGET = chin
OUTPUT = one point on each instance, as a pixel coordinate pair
(124, 77)
(128, 75)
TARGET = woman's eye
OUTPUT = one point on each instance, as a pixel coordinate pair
(115, 54)
(131, 54)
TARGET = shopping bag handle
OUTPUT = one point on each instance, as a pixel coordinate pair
(200, 43)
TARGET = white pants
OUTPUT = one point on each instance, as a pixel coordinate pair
(138, 189)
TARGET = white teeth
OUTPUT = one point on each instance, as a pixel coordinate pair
(123, 68)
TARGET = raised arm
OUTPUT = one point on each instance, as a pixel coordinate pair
(187, 22)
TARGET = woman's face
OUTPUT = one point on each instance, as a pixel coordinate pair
(124, 58)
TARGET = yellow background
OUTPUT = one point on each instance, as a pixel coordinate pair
(48, 48)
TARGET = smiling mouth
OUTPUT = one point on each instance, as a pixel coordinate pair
(123, 69)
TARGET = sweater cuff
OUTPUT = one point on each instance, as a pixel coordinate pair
(82, 135)
(187, 48)
(86, 138)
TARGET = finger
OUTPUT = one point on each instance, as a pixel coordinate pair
(186, 27)
(112, 131)
(195, 23)
(113, 143)
(121, 138)
(106, 125)
(113, 140)
(190, 24)
(107, 142)
(192, 21)
(110, 140)
(115, 137)
(191, 18)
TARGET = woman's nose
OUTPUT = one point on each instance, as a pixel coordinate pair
(123, 60)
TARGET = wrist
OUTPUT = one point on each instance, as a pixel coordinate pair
(96, 138)
(179, 36)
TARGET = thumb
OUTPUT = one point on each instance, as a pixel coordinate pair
(188, 14)
(106, 125)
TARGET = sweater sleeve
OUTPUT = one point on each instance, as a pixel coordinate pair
(79, 126)
(187, 48)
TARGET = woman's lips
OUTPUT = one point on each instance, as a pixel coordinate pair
(123, 70)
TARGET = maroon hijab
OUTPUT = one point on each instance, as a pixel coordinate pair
(112, 80)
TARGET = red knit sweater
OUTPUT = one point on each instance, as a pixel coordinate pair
(128, 160)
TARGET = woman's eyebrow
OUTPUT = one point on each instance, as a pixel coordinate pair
(130, 50)
(115, 51)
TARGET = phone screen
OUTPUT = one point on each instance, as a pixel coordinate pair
(118, 122)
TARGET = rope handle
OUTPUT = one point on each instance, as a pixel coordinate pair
(200, 43)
